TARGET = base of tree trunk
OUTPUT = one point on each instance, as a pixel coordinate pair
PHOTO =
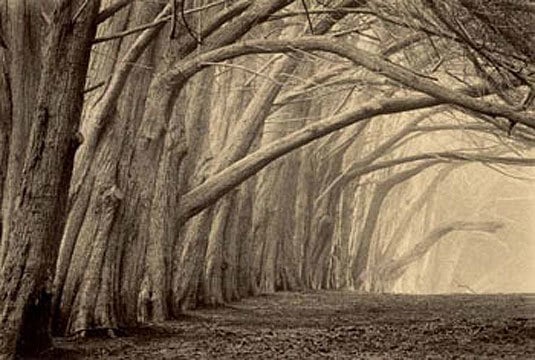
(34, 338)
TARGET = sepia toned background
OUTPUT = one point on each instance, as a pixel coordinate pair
(162, 156)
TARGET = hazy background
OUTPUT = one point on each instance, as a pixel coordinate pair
(482, 262)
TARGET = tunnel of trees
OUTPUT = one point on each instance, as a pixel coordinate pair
(157, 156)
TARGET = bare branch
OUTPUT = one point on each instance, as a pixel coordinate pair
(186, 24)
(132, 30)
(218, 185)
(393, 269)
(152, 24)
(308, 16)
(424, 197)
(354, 170)
(372, 62)
(79, 11)
(112, 10)
(240, 67)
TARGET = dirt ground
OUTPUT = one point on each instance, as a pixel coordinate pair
(332, 325)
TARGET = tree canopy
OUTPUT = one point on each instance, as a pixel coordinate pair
(158, 156)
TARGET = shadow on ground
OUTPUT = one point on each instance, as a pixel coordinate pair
(332, 325)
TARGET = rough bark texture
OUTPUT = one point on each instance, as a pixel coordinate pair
(38, 213)
(188, 189)
(87, 253)
(23, 29)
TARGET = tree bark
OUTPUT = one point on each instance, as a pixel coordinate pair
(38, 214)
(82, 303)
(22, 27)
(5, 130)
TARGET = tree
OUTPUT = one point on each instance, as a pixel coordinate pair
(39, 209)
(171, 190)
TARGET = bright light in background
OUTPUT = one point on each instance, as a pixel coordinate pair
(506, 265)
(503, 262)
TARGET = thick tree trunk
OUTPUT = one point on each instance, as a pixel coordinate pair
(219, 262)
(273, 214)
(23, 29)
(239, 141)
(37, 217)
(303, 205)
(87, 253)
(242, 231)
(189, 255)
(236, 249)
(197, 120)
(150, 156)
(322, 225)
(351, 199)
(226, 144)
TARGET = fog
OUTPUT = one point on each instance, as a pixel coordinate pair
(480, 262)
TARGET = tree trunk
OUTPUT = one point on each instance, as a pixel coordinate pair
(273, 214)
(38, 214)
(242, 231)
(5, 130)
(83, 301)
(154, 146)
(22, 26)
(361, 261)
(197, 120)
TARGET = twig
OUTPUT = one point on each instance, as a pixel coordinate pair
(131, 31)
(152, 24)
(173, 19)
(308, 17)
(94, 87)
(80, 10)
(185, 21)
(236, 66)
(265, 66)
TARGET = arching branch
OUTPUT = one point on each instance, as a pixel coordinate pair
(217, 186)
(370, 61)
(393, 269)
(354, 169)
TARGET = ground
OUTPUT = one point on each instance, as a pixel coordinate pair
(332, 325)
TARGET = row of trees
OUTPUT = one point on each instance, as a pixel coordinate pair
(160, 156)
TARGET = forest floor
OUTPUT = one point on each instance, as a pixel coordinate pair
(332, 325)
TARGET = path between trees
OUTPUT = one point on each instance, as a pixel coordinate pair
(332, 325)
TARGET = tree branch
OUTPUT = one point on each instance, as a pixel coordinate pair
(409, 214)
(152, 24)
(108, 100)
(354, 170)
(393, 269)
(370, 61)
(132, 30)
(215, 187)
(112, 10)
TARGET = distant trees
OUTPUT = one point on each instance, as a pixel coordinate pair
(229, 148)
